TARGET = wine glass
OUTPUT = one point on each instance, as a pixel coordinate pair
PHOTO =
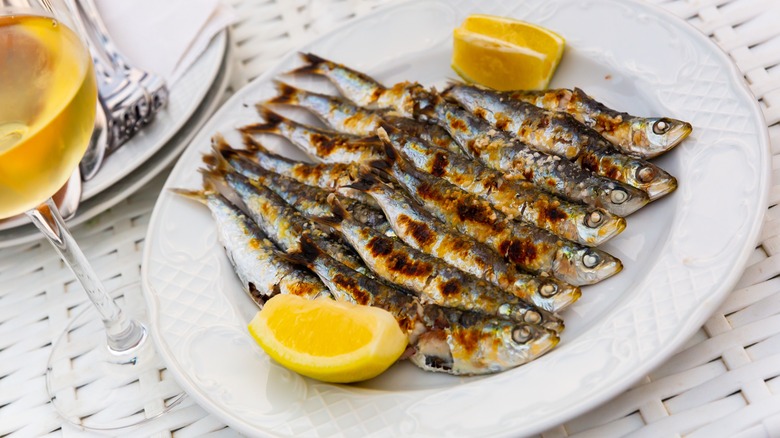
(48, 97)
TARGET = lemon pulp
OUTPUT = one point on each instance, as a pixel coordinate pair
(328, 340)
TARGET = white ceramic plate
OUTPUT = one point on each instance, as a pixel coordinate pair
(682, 254)
(22, 231)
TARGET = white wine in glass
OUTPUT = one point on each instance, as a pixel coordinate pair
(48, 97)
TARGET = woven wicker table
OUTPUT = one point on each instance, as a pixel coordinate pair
(723, 382)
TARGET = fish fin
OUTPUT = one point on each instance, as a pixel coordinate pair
(288, 95)
(393, 157)
(339, 214)
(313, 65)
(214, 181)
(368, 178)
(308, 250)
(195, 195)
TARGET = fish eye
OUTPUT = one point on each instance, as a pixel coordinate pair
(532, 317)
(618, 196)
(661, 126)
(645, 174)
(521, 334)
(590, 259)
(594, 219)
(548, 289)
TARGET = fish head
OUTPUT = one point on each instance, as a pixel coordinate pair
(650, 178)
(518, 343)
(596, 226)
(487, 346)
(581, 266)
(553, 295)
(654, 136)
(619, 199)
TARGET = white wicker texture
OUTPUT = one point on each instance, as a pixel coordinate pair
(722, 382)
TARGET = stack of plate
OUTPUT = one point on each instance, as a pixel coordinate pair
(193, 98)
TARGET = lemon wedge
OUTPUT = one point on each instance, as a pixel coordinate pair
(328, 340)
(506, 54)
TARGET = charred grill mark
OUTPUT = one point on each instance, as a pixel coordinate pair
(324, 144)
(551, 213)
(610, 170)
(396, 260)
(308, 172)
(519, 252)
(352, 286)
(380, 247)
(502, 121)
(480, 112)
(458, 125)
(440, 164)
(589, 162)
(450, 288)
(401, 263)
(468, 340)
(300, 288)
(420, 231)
(376, 94)
(480, 214)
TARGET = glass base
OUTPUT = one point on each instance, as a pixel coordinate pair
(95, 388)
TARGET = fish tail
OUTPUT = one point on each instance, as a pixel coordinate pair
(253, 146)
(216, 159)
(270, 126)
(313, 65)
(288, 95)
(195, 195)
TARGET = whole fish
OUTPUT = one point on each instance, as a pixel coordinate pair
(442, 339)
(434, 280)
(519, 200)
(644, 137)
(309, 200)
(531, 248)
(421, 230)
(562, 135)
(501, 151)
(262, 269)
(281, 222)
(316, 143)
(328, 176)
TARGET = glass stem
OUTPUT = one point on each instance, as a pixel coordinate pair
(122, 334)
